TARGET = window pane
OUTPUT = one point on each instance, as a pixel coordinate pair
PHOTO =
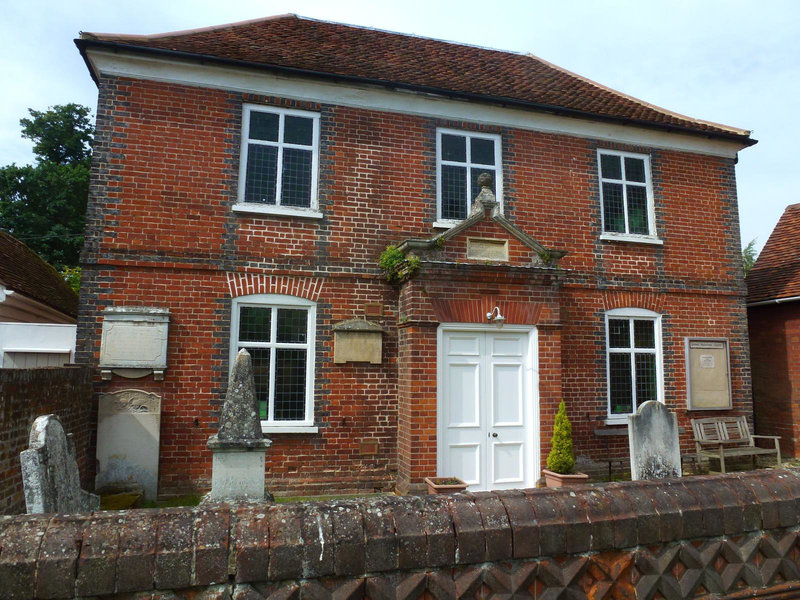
(263, 126)
(482, 151)
(645, 378)
(644, 334)
(613, 211)
(619, 380)
(454, 147)
(262, 169)
(292, 325)
(296, 180)
(454, 192)
(634, 169)
(290, 385)
(619, 333)
(260, 358)
(637, 209)
(298, 130)
(610, 167)
(254, 324)
(474, 173)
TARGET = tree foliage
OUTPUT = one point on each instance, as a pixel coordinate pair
(44, 205)
(749, 256)
(561, 458)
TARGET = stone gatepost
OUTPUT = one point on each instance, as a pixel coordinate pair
(239, 446)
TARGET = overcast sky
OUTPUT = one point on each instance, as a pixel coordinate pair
(730, 61)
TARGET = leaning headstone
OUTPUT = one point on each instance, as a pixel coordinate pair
(50, 477)
(653, 439)
(239, 446)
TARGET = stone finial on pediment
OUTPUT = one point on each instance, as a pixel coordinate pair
(485, 200)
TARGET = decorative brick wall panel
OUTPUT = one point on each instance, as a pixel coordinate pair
(161, 231)
(730, 536)
(28, 393)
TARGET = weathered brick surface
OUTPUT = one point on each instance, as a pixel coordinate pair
(460, 546)
(28, 393)
(165, 177)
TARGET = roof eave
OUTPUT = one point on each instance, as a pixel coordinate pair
(83, 44)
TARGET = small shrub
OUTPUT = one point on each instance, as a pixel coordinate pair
(561, 458)
(397, 265)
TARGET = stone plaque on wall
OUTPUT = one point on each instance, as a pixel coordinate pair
(357, 340)
(128, 437)
(483, 249)
(708, 383)
(134, 338)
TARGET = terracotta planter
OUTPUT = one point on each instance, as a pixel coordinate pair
(445, 485)
(554, 479)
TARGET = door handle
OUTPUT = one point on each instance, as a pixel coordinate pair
(494, 435)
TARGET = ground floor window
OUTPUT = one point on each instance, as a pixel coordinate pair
(278, 332)
(633, 360)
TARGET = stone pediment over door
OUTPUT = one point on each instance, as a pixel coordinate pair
(486, 237)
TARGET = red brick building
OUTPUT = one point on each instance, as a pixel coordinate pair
(248, 178)
(773, 312)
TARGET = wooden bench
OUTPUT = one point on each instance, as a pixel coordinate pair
(729, 437)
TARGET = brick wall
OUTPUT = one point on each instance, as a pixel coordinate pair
(161, 231)
(29, 393)
(730, 536)
(775, 356)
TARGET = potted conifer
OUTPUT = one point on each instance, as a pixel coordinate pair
(561, 459)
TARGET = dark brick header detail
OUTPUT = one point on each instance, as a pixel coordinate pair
(628, 537)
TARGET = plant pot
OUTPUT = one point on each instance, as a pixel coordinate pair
(554, 479)
(445, 485)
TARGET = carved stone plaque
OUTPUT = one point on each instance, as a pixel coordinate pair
(134, 338)
(494, 250)
(128, 436)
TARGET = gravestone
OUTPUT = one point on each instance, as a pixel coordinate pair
(50, 477)
(128, 437)
(239, 446)
(653, 438)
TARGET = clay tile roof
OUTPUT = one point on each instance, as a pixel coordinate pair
(361, 54)
(26, 273)
(776, 273)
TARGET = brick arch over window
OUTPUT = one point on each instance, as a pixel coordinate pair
(242, 284)
(646, 300)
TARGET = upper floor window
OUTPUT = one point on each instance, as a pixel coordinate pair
(279, 161)
(633, 360)
(278, 332)
(460, 157)
(627, 196)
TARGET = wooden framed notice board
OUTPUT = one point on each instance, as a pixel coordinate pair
(708, 374)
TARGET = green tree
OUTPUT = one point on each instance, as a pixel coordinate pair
(749, 256)
(44, 204)
(561, 458)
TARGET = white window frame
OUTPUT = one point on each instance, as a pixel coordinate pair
(471, 194)
(277, 209)
(651, 237)
(276, 301)
(633, 314)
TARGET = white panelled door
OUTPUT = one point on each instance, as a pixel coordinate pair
(487, 409)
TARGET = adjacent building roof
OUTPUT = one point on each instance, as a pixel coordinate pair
(776, 273)
(25, 272)
(299, 45)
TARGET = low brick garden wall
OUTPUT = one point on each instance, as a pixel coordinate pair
(28, 393)
(731, 536)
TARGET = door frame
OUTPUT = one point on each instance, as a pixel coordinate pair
(533, 468)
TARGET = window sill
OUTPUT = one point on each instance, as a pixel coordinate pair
(445, 224)
(283, 211)
(631, 238)
(623, 420)
(288, 428)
